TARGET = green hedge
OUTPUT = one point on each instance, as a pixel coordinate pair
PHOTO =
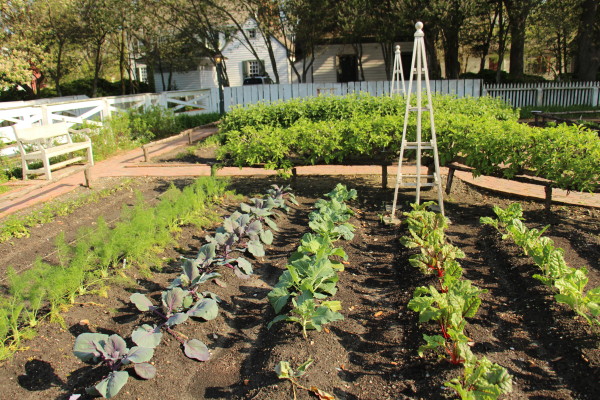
(483, 132)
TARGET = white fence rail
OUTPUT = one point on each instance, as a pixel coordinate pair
(547, 93)
(244, 95)
(95, 111)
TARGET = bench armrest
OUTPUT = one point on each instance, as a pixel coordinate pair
(83, 132)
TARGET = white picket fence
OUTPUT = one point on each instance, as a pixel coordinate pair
(245, 95)
(546, 93)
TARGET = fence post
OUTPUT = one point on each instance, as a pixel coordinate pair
(147, 101)
(595, 95)
(45, 115)
(162, 100)
(105, 109)
(540, 97)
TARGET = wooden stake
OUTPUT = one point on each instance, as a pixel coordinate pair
(146, 156)
(384, 176)
(548, 203)
(294, 175)
(87, 173)
(449, 180)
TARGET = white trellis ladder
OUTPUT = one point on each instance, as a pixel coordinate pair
(418, 68)
(397, 86)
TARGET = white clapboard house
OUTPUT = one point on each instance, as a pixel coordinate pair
(332, 63)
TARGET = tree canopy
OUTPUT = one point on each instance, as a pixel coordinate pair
(55, 42)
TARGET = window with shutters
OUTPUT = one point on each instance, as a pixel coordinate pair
(143, 74)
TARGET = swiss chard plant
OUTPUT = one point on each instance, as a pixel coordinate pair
(112, 352)
(450, 310)
(481, 380)
(449, 306)
(427, 233)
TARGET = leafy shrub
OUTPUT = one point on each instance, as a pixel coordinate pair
(484, 133)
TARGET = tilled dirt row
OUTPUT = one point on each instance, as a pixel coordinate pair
(372, 353)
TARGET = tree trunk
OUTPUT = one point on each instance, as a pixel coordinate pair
(488, 41)
(451, 59)
(97, 67)
(517, 48)
(435, 70)
(122, 62)
(501, 41)
(162, 74)
(517, 11)
(272, 58)
(58, 75)
(358, 49)
(587, 58)
(387, 49)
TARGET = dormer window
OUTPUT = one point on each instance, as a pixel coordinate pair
(251, 33)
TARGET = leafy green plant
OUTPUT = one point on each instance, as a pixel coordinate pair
(279, 194)
(450, 309)
(113, 353)
(481, 380)
(570, 283)
(311, 273)
(310, 314)
(436, 256)
(483, 133)
(305, 274)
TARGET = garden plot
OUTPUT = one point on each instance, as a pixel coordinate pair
(372, 352)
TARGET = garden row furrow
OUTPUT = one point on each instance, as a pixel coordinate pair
(242, 232)
(449, 305)
(570, 283)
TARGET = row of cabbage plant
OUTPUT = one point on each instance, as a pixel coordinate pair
(239, 239)
(311, 274)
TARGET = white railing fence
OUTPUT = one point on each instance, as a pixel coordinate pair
(562, 94)
(94, 111)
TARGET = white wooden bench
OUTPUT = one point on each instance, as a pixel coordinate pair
(46, 141)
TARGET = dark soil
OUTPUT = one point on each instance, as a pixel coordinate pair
(371, 354)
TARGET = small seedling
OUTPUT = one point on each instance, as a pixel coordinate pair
(285, 371)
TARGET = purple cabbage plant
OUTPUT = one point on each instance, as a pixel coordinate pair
(112, 352)
(177, 306)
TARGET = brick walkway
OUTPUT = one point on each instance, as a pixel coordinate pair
(131, 164)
